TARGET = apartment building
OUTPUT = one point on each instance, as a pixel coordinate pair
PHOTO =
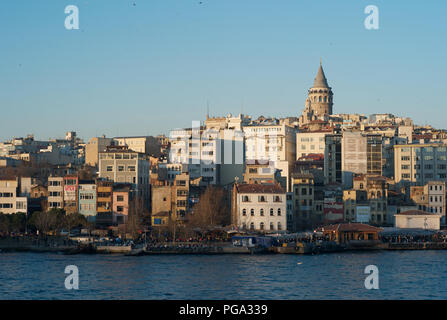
(332, 159)
(430, 197)
(70, 194)
(173, 199)
(94, 147)
(87, 199)
(143, 144)
(352, 153)
(55, 192)
(104, 196)
(122, 197)
(10, 199)
(310, 143)
(261, 172)
(231, 145)
(260, 207)
(200, 150)
(417, 164)
(367, 201)
(272, 142)
(303, 201)
(121, 165)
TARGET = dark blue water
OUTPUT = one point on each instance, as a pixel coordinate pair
(402, 275)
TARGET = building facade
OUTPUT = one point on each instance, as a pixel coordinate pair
(418, 164)
(261, 207)
(55, 192)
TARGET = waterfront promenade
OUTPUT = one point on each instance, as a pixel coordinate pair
(66, 246)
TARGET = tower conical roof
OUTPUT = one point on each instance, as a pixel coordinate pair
(320, 79)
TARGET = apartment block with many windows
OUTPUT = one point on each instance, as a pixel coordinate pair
(417, 164)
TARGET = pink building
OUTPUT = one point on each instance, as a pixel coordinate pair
(120, 202)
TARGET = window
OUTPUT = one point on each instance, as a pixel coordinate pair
(261, 226)
(120, 168)
(271, 226)
(245, 199)
(261, 212)
(252, 212)
(244, 212)
(252, 226)
(131, 168)
(109, 168)
(271, 211)
(121, 198)
(279, 211)
(261, 199)
(279, 226)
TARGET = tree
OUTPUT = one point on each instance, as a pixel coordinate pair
(4, 223)
(211, 210)
(73, 220)
(17, 222)
(138, 216)
(44, 222)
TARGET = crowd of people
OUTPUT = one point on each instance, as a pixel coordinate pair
(414, 238)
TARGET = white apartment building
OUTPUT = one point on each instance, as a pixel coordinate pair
(10, 201)
(261, 207)
(199, 149)
(272, 142)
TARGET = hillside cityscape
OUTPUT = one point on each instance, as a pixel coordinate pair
(232, 174)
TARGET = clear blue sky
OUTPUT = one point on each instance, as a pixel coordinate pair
(145, 68)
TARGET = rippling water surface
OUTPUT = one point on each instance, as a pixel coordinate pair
(403, 275)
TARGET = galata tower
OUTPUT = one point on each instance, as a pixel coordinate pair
(319, 100)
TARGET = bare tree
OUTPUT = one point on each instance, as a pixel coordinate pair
(45, 221)
(138, 216)
(72, 220)
(212, 209)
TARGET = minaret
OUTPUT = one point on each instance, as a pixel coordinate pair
(319, 100)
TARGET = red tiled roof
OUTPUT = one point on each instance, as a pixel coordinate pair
(259, 188)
